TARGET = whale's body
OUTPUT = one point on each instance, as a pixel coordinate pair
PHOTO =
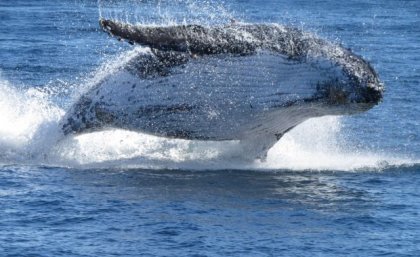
(244, 82)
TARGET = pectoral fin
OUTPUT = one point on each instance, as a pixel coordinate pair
(194, 39)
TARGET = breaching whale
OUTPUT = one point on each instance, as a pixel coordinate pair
(247, 82)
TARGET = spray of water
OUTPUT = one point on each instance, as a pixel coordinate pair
(166, 12)
(27, 120)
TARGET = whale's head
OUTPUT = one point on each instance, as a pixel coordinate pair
(358, 88)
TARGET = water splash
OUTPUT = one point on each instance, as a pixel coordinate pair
(318, 144)
(28, 120)
(311, 146)
(166, 12)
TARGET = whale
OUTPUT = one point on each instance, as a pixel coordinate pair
(241, 81)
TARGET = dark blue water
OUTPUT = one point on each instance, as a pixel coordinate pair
(346, 186)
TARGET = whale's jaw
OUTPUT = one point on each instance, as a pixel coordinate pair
(203, 83)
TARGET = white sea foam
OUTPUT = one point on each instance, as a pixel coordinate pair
(316, 145)
(311, 146)
(27, 120)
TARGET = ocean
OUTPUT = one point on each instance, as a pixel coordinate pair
(333, 186)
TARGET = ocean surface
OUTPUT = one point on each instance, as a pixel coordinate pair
(333, 186)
